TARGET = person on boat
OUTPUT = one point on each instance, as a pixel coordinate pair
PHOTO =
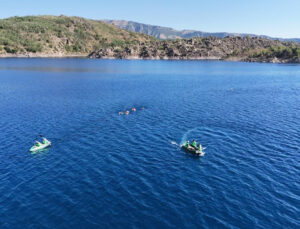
(187, 144)
(194, 143)
(37, 143)
(200, 147)
(44, 141)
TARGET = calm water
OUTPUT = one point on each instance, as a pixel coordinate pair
(111, 171)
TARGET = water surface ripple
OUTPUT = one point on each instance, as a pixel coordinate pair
(114, 171)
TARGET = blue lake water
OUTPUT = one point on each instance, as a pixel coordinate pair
(106, 170)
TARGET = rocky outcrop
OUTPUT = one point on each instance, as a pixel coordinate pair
(228, 48)
(272, 60)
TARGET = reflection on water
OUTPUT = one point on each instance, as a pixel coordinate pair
(48, 69)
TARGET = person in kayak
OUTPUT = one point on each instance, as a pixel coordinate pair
(194, 144)
(187, 144)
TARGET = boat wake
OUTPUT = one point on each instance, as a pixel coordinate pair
(186, 134)
(174, 143)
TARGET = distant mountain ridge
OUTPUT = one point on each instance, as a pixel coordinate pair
(164, 33)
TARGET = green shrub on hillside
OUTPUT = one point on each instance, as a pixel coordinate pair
(10, 49)
(298, 52)
(282, 52)
(97, 37)
(117, 43)
(77, 47)
(68, 48)
(31, 46)
(5, 41)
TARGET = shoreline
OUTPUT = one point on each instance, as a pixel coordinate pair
(87, 56)
(43, 55)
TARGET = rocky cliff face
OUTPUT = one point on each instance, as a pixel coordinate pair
(228, 48)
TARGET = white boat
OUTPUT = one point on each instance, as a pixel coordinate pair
(39, 146)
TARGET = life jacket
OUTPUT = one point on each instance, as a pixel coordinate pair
(186, 144)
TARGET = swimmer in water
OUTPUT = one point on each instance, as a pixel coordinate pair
(133, 109)
(127, 112)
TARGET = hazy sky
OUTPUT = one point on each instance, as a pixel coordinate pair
(279, 18)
